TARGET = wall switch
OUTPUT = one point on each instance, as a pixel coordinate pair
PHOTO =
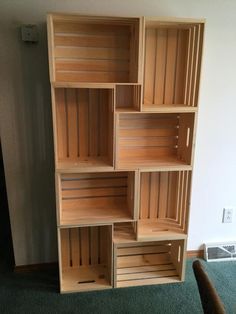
(227, 215)
(29, 33)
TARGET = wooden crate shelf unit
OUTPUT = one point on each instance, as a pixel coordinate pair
(85, 258)
(125, 96)
(90, 198)
(148, 263)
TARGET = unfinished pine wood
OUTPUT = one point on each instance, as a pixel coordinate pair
(90, 198)
(92, 50)
(85, 263)
(84, 126)
(154, 140)
(124, 96)
(147, 263)
(172, 65)
(164, 204)
(128, 97)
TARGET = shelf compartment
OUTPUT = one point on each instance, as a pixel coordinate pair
(85, 258)
(164, 205)
(172, 64)
(154, 140)
(90, 198)
(91, 49)
(125, 232)
(83, 127)
(128, 97)
(149, 263)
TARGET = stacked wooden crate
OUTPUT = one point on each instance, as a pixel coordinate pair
(124, 102)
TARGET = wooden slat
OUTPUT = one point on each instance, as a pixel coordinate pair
(149, 70)
(181, 63)
(142, 260)
(170, 141)
(95, 175)
(95, 202)
(139, 132)
(161, 64)
(171, 210)
(111, 191)
(90, 28)
(92, 53)
(147, 275)
(146, 152)
(83, 123)
(154, 194)
(144, 196)
(92, 76)
(84, 241)
(152, 281)
(128, 251)
(94, 245)
(61, 117)
(95, 183)
(65, 248)
(75, 249)
(72, 109)
(92, 65)
(94, 123)
(141, 269)
(91, 41)
(163, 194)
(170, 66)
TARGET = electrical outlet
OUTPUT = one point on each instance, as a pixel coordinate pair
(227, 215)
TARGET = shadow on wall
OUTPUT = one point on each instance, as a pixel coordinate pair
(31, 166)
(6, 252)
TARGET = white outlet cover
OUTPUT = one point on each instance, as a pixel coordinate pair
(228, 215)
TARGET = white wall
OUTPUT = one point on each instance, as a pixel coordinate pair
(25, 119)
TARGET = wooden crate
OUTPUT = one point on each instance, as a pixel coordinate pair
(93, 49)
(164, 205)
(148, 263)
(90, 198)
(128, 97)
(152, 140)
(85, 257)
(172, 62)
(83, 127)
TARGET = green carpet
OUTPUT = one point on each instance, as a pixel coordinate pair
(38, 293)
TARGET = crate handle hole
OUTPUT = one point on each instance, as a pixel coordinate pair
(86, 281)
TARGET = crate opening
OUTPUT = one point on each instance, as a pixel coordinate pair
(128, 97)
(84, 122)
(88, 198)
(86, 258)
(149, 263)
(95, 50)
(150, 140)
(172, 65)
(124, 232)
(164, 204)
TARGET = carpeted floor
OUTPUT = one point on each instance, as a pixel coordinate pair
(38, 293)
